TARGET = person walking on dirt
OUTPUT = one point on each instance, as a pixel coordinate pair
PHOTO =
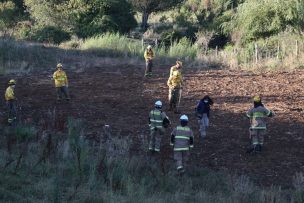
(11, 101)
(177, 66)
(175, 86)
(182, 141)
(149, 55)
(61, 83)
(257, 130)
(158, 121)
(202, 112)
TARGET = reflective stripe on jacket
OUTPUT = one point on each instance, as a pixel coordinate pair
(60, 78)
(9, 94)
(182, 138)
(156, 118)
(257, 116)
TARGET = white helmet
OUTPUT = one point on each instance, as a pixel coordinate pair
(149, 47)
(184, 118)
(158, 104)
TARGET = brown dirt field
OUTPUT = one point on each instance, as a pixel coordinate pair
(122, 98)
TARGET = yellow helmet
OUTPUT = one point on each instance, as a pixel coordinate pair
(12, 82)
(257, 99)
(179, 63)
(59, 65)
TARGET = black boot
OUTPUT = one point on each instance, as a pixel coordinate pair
(250, 149)
(171, 107)
(258, 148)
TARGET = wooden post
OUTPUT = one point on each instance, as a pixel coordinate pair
(142, 43)
(156, 44)
(216, 51)
(278, 51)
(256, 53)
(297, 49)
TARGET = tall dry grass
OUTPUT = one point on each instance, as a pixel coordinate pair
(81, 170)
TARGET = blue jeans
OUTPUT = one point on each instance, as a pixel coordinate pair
(62, 91)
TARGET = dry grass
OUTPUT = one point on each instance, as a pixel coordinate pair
(79, 170)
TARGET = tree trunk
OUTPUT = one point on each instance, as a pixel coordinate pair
(145, 17)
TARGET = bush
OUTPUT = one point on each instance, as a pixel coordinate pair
(23, 30)
(50, 34)
(114, 45)
(249, 21)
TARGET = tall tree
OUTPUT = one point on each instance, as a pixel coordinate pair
(146, 7)
(11, 11)
(255, 19)
(84, 17)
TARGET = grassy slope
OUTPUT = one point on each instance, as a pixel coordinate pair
(71, 169)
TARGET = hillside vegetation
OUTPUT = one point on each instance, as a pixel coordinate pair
(233, 33)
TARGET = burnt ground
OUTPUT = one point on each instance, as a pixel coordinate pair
(122, 98)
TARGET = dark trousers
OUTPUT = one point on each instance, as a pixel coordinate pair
(12, 110)
(62, 91)
(174, 97)
(149, 66)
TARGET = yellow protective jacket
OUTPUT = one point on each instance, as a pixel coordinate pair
(172, 69)
(149, 55)
(175, 80)
(60, 78)
(9, 94)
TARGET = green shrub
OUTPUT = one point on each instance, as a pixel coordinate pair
(114, 45)
(23, 30)
(50, 34)
(183, 49)
(25, 132)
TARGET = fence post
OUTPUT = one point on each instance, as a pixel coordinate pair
(156, 43)
(278, 51)
(216, 51)
(297, 49)
(142, 43)
(256, 53)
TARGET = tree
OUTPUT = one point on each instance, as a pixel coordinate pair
(10, 13)
(84, 17)
(255, 19)
(7, 11)
(100, 16)
(146, 7)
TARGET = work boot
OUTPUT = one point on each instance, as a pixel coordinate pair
(202, 139)
(10, 121)
(181, 171)
(250, 149)
(258, 148)
(177, 111)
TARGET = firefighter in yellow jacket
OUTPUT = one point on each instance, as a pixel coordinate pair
(182, 140)
(174, 83)
(258, 115)
(158, 121)
(11, 101)
(149, 55)
(61, 83)
(177, 66)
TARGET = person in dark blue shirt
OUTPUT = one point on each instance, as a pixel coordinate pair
(202, 112)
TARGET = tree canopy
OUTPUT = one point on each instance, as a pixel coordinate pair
(256, 19)
(146, 7)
